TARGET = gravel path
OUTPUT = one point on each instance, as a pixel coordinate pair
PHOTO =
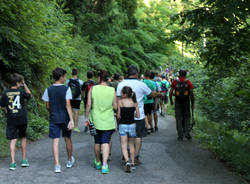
(165, 161)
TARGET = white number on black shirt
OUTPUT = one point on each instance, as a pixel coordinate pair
(16, 103)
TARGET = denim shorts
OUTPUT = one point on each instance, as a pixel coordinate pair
(127, 130)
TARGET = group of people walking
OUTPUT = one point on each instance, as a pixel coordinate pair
(126, 105)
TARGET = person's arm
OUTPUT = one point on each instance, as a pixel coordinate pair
(171, 96)
(118, 114)
(88, 107)
(137, 112)
(153, 94)
(27, 90)
(68, 97)
(47, 106)
(69, 109)
(115, 103)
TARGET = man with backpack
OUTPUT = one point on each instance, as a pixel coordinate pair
(87, 85)
(182, 89)
(165, 85)
(75, 85)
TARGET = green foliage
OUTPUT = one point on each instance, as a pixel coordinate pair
(35, 38)
(37, 127)
(4, 144)
(229, 145)
(220, 28)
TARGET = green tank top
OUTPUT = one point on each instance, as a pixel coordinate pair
(102, 114)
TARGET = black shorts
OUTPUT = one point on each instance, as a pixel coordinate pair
(75, 104)
(16, 131)
(140, 128)
(148, 108)
(103, 136)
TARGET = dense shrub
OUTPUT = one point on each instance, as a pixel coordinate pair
(228, 144)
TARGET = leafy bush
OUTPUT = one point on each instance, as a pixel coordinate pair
(37, 127)
(230, 145)
(4, 144)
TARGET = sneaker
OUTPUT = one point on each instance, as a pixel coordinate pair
(133, 167)
(188, 136)
(148, 131)
(69, 163)
(98, 165)
(127, 167)
(152, 130)
(105, 169)
(25, 163)
(156, 129)
(137, 160)
(76, 130)
(12, 166)
(57, 169)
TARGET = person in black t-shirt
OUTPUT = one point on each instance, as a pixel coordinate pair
(87, 85)
(13, 105)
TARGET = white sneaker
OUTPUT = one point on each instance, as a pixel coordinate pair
(69, 163)
(57, 169)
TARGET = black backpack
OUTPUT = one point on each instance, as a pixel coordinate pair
(182, 91)
(75, 87)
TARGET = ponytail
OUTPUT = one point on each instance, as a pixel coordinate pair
(134, 97)
(130, 94)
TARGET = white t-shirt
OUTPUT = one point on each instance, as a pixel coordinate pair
(140, 89)
(81, 83)
(68, 96)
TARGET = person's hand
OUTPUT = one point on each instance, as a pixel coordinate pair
(86, 122)
(71, 125)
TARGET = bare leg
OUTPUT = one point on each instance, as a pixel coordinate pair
(164, 107)
(55, 149)
(124, 147)
(150, 121)
(105, 153)
(13, 150)
(76, 117)
(131, 142)
(24, 147)
(68, 142)
(98, 152)
(146, 122)
(110, 148)
(156, 119)
(138, 143)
